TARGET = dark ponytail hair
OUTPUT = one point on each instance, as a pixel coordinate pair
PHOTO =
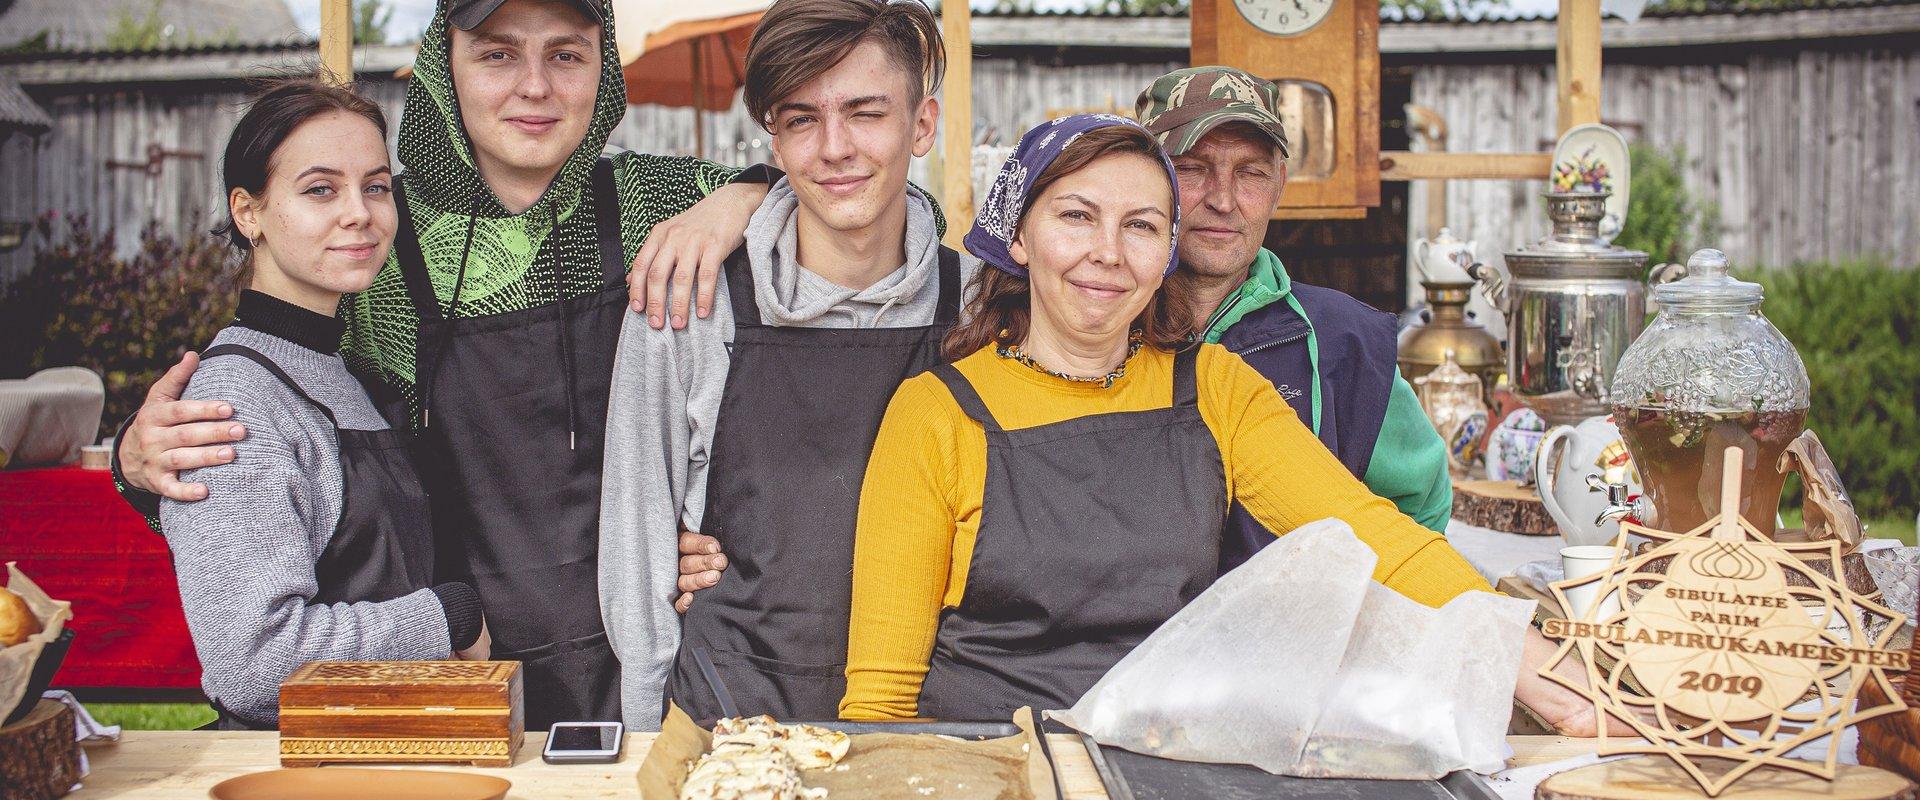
(281, 106)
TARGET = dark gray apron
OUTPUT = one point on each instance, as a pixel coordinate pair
(1093, 532)
(797, 422)
(516, 413)
(382, 545)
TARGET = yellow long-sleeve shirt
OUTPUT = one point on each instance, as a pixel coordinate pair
(920, 505)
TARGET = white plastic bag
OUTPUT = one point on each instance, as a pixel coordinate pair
(1299, 664)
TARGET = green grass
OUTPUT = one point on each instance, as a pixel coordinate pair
(1900, 527)
(152, 716)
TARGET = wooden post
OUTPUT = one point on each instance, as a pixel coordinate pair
(699, 101)
(956, 111)
(336, 41)
(1577, 62)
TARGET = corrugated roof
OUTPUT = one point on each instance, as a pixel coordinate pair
(88, 24)
(1394, 14)
(18, 111)
(222, 49)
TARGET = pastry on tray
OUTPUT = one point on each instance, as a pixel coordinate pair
(756, 758)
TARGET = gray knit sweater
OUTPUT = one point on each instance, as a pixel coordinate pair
(245, 555)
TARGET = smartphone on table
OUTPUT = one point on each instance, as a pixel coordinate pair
(584, 743)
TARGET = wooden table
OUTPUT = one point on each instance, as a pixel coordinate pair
(183, 765)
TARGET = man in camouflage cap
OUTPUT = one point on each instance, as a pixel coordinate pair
(1331, 356)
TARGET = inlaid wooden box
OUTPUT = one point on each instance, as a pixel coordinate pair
(401, 711)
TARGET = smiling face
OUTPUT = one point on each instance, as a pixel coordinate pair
(1230, 183)
(326, 216)
(526, 80)
(1095, 245)
(845, 139)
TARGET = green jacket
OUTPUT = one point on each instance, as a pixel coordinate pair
(1358, 405)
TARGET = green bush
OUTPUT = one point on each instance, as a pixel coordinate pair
(1857, 326)
(125, 318)
(1663, 218)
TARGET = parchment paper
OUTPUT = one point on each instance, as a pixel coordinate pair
(880, 765)
(16, 662)
(1300, 664)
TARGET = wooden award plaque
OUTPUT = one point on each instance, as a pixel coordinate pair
(334, 712)
(1740, 665)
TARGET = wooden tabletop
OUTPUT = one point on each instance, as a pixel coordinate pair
(183, 765)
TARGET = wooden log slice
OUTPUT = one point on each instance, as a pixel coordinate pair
(39, 760)
(1658, 778)
(1502, 506)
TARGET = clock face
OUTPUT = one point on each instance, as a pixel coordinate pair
(1284, 17)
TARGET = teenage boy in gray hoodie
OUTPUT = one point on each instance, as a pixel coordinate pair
(754, 425)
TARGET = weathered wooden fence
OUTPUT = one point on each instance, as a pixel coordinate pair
(1805, 149)
(1804, 155)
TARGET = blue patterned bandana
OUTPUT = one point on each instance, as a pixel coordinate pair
(999, 219)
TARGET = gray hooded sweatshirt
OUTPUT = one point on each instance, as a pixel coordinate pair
(665, 404)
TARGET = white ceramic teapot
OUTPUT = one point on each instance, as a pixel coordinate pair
(1568, 456)
(1443, 259)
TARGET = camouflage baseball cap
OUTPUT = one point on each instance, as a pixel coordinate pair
(1183, 105)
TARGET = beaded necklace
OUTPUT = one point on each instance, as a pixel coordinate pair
(1014, 352)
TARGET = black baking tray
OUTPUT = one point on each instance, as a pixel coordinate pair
(1131, 776)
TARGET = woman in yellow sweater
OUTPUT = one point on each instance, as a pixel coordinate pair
(1033, 511)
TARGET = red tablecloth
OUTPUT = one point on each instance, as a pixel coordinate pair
(76, 538)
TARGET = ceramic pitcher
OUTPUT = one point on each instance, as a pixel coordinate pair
(1570, 454)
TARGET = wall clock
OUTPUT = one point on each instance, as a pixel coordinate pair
(1325, 55)
(1284, 17)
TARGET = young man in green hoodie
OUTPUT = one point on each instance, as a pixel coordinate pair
(1331, 356)
(493, 325)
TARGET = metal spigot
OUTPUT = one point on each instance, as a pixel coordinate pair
(1619, 506)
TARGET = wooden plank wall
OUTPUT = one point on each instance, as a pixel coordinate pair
(66, 169)
(1808, 154)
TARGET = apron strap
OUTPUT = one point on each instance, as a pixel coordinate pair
(413, 264)
(267, 363)
(606, 221)
(1186, 390)
(964, 394)
(740, 291)
(948, 311)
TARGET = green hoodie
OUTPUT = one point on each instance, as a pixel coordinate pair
(511, 265)
(1409, 461)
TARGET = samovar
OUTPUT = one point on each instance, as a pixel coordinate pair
(1573, 303)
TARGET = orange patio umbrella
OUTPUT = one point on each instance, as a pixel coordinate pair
(685, 53)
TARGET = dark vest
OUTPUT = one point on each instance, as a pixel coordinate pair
(1358, 352)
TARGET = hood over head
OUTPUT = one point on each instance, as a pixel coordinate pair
(434, 146)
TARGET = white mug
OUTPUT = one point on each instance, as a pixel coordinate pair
(1579, 562)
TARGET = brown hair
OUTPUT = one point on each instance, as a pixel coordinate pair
(281, 105)
(798, 40)
(1002, 305)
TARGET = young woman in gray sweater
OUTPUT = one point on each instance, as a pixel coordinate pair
(315, 544)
